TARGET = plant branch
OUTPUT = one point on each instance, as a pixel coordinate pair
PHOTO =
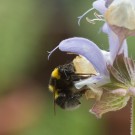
(133, 117)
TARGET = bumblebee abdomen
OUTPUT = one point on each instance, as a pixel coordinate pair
(67, 103)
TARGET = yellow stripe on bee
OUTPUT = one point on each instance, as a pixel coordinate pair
(55, 73)
(56, 95)
(51, 88)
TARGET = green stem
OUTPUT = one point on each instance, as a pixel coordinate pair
(133, 117)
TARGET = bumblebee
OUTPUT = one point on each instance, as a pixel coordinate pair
(61, 84)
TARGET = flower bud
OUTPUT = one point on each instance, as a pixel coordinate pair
(121, 13)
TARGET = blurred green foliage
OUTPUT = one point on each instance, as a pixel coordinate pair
(21, 25)
(24, 24)
(28, 29)
(76, 122)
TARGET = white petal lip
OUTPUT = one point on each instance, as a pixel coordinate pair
(88, 49)
(88, 82)
(107, 57)
(93, 82)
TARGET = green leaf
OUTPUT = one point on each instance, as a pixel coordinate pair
(109, 102)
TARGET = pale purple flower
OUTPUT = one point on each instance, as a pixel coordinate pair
(91, 52)
(120, 16)
(121, 13)
(112, 86)
(100, 59)
(118, 25)
(114, 83)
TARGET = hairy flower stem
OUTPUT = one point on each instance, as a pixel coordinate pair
(133, 117)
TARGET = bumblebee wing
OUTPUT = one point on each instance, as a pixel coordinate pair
(80, 76)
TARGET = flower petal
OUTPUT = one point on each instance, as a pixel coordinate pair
(119, 92)
(93, 82)
(109, 102)
(108, 2)
(100, 6)
(105, 28)
(122, 32)
(131, 91)
(107, 56)
(124, 48)
(114, 43)
(88, 49)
